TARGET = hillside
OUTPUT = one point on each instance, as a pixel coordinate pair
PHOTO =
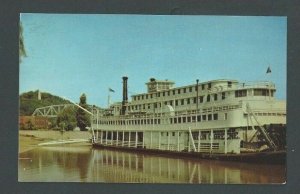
(29, 101)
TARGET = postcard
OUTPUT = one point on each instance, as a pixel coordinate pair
(116, 98)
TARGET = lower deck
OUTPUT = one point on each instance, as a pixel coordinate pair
(201, 141)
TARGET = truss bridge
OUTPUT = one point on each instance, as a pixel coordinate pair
(52, 110)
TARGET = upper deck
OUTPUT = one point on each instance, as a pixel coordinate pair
(202, 95)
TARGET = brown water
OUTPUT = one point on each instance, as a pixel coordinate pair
(84, 164)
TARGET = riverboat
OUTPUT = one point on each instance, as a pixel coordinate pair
(218, 119)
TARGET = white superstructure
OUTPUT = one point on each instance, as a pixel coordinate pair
(214, 117)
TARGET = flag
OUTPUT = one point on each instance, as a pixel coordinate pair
(110, 90)
(269, 70)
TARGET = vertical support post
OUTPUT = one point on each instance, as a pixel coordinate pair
(106, 134)
(199, 141)
(159, 139)
(247, 127)
(129, 137)
(211, 140)
(189, 143)
(178, 148)
(168, 140)
(150, 139)
(136, 139)
(123, 137)
(101, 138)
(97, 120)
(117, 143)
(143, 139)
(225, 138)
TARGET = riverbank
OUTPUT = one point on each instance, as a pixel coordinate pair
(29, 140)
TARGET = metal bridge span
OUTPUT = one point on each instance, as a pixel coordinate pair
(53, 110)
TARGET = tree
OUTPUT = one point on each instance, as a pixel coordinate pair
(83, 119)
(66, 119)
(22, 51)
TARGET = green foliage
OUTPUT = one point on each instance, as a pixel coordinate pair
(66, 119)
(29, 101)
(83, 119)
(22, 51)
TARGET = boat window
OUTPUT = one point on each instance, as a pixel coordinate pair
(199, 118)
(195, 100)
(171, 102)
(188, 119)
(191, 89)
(193, 118)
(184, 90)
(175, 120)
(208, 98)
(158, 121)
(178, 91)
(164, 93)
(223, 95)
(166, 102)
(215, 116)
(209, 86)
(151, 95)
(168, 93)
(183, 119)
(188, 101)
(203, 117)
(138, 97)
(229, 84)
(262, 92)
(179, 119)
(171, 120)
(201, 99)
(209, 117)
(146, 96)
(182, 101)
(158, 94)
(203, 86)
(173, 134)
(142, 97)
(240, 93)
(176, 102)
(144, 106)
(173, 92)
(215, 97)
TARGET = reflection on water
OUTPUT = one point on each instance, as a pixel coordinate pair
(84, 164)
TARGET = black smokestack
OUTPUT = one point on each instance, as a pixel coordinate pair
(125, 95)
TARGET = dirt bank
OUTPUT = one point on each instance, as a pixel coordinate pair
(30, 139)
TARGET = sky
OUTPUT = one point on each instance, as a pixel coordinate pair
(71, 54)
